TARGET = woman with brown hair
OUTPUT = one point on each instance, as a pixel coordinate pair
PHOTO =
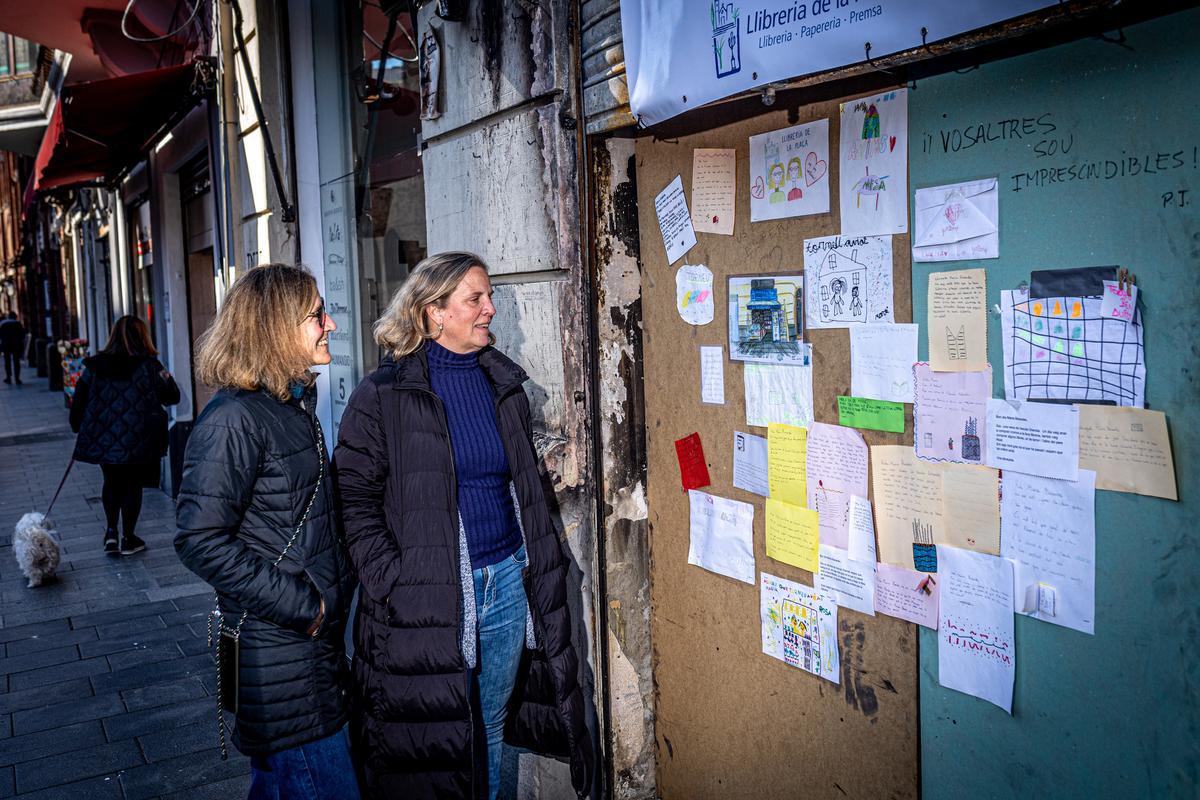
(118, 413)
(256, 520)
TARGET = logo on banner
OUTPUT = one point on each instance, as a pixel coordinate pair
(726, 38)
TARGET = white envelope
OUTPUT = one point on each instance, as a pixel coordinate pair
(957, 222)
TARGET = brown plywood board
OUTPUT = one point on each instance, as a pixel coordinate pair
(731, 721)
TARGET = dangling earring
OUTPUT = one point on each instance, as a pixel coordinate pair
(439, 331)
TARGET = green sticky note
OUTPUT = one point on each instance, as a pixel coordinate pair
(878, 415)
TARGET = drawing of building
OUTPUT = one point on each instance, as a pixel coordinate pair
(970, 440)
(842, 288)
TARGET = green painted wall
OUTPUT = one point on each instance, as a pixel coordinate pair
(1116, 714)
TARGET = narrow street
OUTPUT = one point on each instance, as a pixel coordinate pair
(105, 681)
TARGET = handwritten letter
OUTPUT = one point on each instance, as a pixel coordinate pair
(713, 179)
(881, 361)
(958, 321)
(722, 536)
(975, 634)
(674, 222)
(750, 463)
(908, 502)
(793, 534)
(1050, 532)
(1128, 448)
(950, 415)
(906, 594)
(712, 375)
(836, 470)
(971, 508)
(786, 463)
(1035, 438)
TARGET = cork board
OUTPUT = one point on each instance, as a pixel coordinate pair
(731, 721)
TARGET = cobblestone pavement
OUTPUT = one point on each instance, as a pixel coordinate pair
(106, 685)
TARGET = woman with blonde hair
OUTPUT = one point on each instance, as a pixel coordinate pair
(118, 413)
(462, 633)
(256, 519)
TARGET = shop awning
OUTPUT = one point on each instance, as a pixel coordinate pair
(102, 129)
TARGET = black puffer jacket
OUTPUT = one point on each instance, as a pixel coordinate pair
(118, 410)
(250, 468)
(412, 718)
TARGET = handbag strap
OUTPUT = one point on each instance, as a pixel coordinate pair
(216, 612)
(237, 631)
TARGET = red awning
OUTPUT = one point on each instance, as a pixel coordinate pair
(101, 130)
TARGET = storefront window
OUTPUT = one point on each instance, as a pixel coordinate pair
(390, 189)
(141, 259)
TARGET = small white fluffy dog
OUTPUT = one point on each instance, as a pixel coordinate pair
(36, 547)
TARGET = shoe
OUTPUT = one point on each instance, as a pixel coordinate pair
(110, 542)
(8, 380)
(130, 544)
(19, 382)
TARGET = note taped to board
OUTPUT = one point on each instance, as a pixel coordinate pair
(787, 463)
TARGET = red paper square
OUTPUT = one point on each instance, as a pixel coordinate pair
(693, 469)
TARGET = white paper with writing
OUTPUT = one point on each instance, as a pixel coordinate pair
(1035, 438)
(873, 164)
(881, 361)
(906, 594)
(848, 281)
(849, 583)
(789, 171)
(836, 470)
(712, 375)
(722, 536)
(674, 221)
(976, 651)
(862, 530)
(750, 463)
(778, 394)
(1048, 527)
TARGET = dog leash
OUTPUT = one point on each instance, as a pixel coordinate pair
(61, 483)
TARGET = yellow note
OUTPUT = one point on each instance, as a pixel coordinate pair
(971, 508)
(787, 455)
(1128, 448)
(908, 502)
(793, 534)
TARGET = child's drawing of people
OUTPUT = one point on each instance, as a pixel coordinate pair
(775, 182)
(855, 302)
(794, 169)
(838, 288)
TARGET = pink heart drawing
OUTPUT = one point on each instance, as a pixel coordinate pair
(814, 168)
(759, 190)
(891, 143)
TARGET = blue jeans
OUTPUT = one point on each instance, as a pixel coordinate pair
(319, 770)
(501, 606)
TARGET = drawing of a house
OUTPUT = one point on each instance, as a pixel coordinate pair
(838, 277)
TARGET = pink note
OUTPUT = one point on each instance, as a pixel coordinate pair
(906, 594)
(1118, 303)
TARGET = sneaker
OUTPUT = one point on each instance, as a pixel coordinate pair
(130, 544)
(110, 542)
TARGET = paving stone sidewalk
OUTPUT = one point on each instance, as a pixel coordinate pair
(106, 685)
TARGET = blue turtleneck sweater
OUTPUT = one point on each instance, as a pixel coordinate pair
(484, 502)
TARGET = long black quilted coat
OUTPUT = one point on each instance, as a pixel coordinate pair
(118, 410)
(412, 720)
(249, 470)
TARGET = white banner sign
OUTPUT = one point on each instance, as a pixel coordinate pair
(681, 54)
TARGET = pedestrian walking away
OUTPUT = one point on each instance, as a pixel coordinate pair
(122, 425)
(12, 343)
(256, 520)
(462, 634)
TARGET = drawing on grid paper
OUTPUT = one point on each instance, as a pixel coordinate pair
(1063, 348)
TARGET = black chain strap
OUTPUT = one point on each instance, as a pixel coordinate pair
(217, 620)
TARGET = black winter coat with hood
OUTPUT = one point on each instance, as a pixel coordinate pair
(118, 409)
(251, 465)
(412, 716)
